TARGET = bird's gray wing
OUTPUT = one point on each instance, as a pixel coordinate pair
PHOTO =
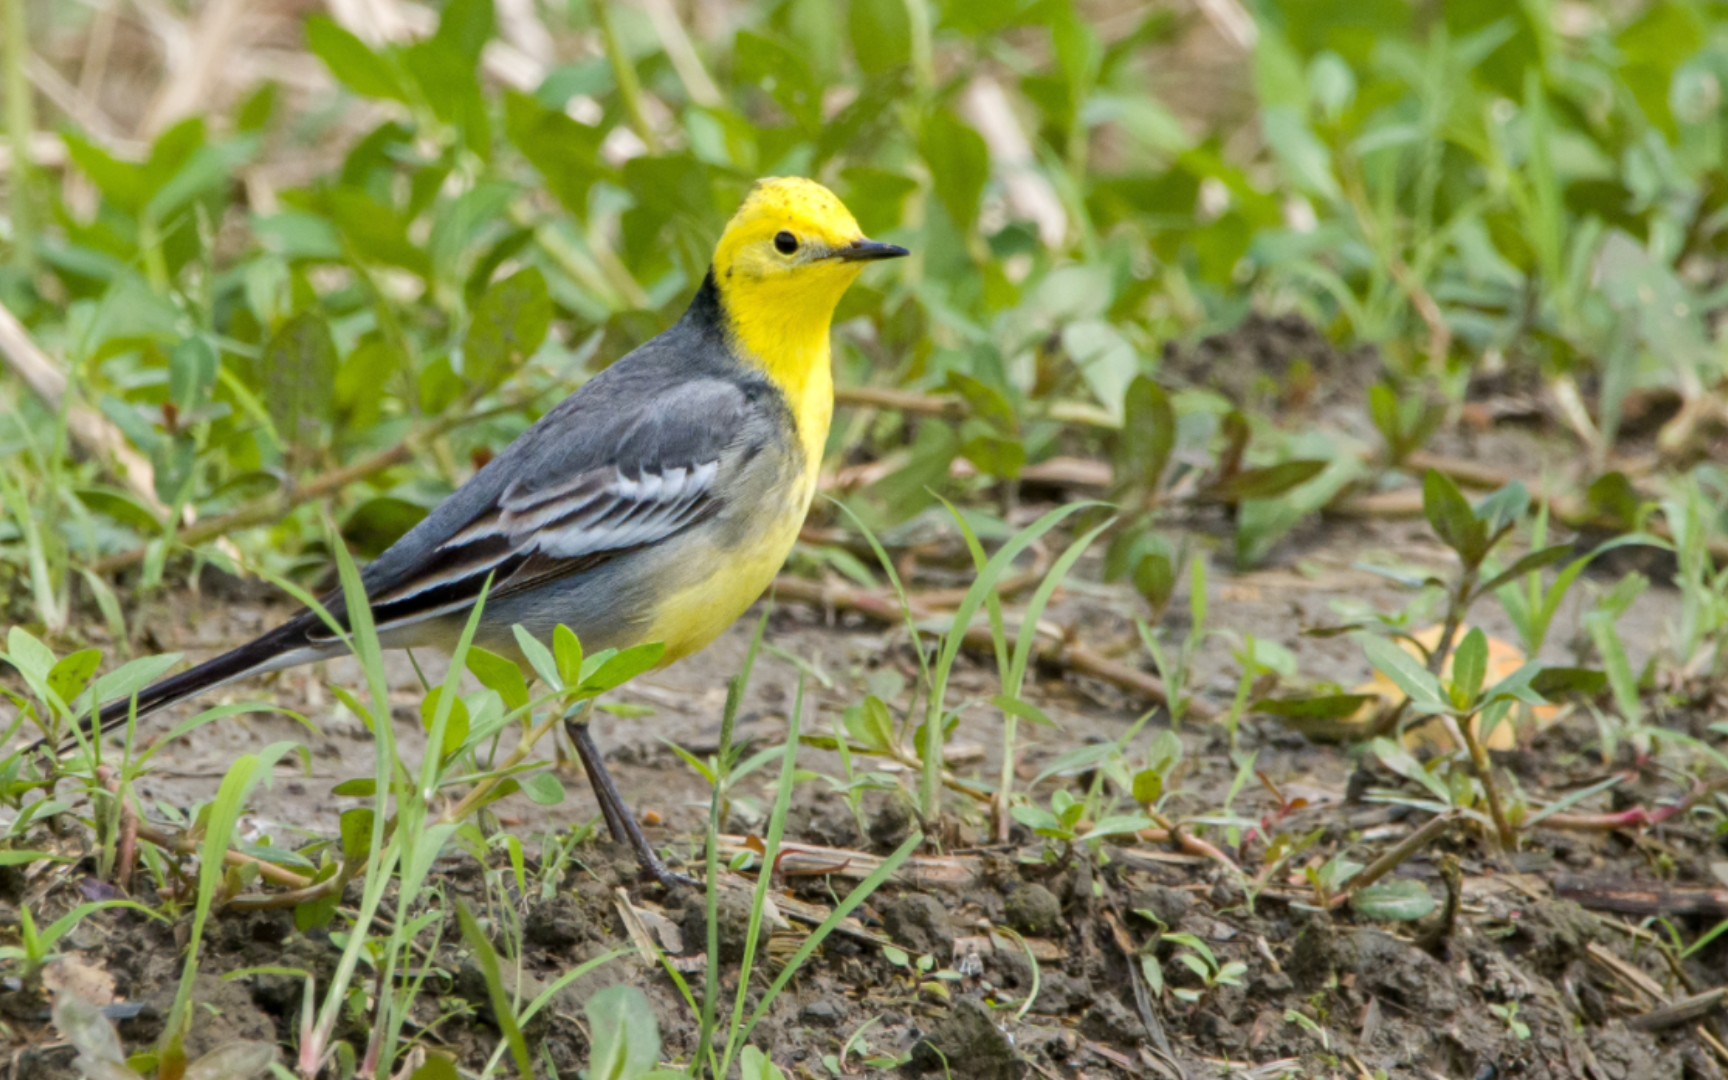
(622, 465)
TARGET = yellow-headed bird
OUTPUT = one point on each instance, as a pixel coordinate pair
(655, 504)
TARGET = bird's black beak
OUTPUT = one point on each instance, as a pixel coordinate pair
(868, 251)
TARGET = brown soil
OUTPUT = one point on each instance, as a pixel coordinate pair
(1518, 986)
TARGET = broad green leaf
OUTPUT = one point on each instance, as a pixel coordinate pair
(1317, 707)
(1106, 360)
(566, 153)
(1405, 672)
(1267, 482)
(753, 1064)
(1528, 564)
(353, 62)
(298, 378)
(508, 327)
(133, 676)
(623, 1033)
(1557, 682)
(543, 789)
(959, 166)
(192, 368)
(1148, 435)
(501, 675)
(881, 32)
(455, 724)
(623, 667)
(1469, 668)
(1403, 900)
(1452, 518)
(436, 1067)
(539, 657)
(567, 649)
(71, 676)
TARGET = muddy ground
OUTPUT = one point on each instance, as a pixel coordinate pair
(1522, 984)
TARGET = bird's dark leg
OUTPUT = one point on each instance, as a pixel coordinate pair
(619, 819)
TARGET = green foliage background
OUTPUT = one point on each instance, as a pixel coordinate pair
(1474, 189)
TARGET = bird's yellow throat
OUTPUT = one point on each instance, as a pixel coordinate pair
(779, 283)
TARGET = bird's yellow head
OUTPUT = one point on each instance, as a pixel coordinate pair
(781, 267)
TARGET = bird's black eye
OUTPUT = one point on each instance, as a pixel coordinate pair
(785, 243)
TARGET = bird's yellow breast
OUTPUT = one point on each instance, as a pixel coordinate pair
(719, 585)
(690, 617)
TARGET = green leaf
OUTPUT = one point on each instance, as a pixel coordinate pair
(503, 1011)
(1119, 825)
(1306, 160)
(1402, 900)
(539, 657)
(1024, 710)
(447, 79)
(623, 667)
(544, 789)
(120, 182)
(436, 1067)
(1107, 361)
(623, 1033)
(1155, 579)
(871, 724)
(299, 377)
(779, 70)
(356, 828)
(1469, 668)
(465, 28)
(1394, 756)
(1148, 435)
(353, 62)
(753, 1064)
(71, 676)
(1316, 707)
(1557, 682)
(1267, 482)
(1409, 676)
(192, 368)
(1504, 508)
(455, 724)
(996, 455)
(1616, 664)
(501, 675)
(21, 857)
(1528, 564)
(34, 660)
(567, 648)
(566, 153)
(959, 165)
(132, 676)
(986, 402)
(1452, 519)
(1148, 787)
(881, 32)
(509, 326)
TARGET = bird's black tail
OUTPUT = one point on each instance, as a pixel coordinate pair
(263, 654)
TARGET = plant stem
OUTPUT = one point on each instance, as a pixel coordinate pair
(1395, 856)
(1485, 772)
(624, 74)
(182, 844)
(523, 748)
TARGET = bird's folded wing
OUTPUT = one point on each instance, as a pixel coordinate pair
(582, 488)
